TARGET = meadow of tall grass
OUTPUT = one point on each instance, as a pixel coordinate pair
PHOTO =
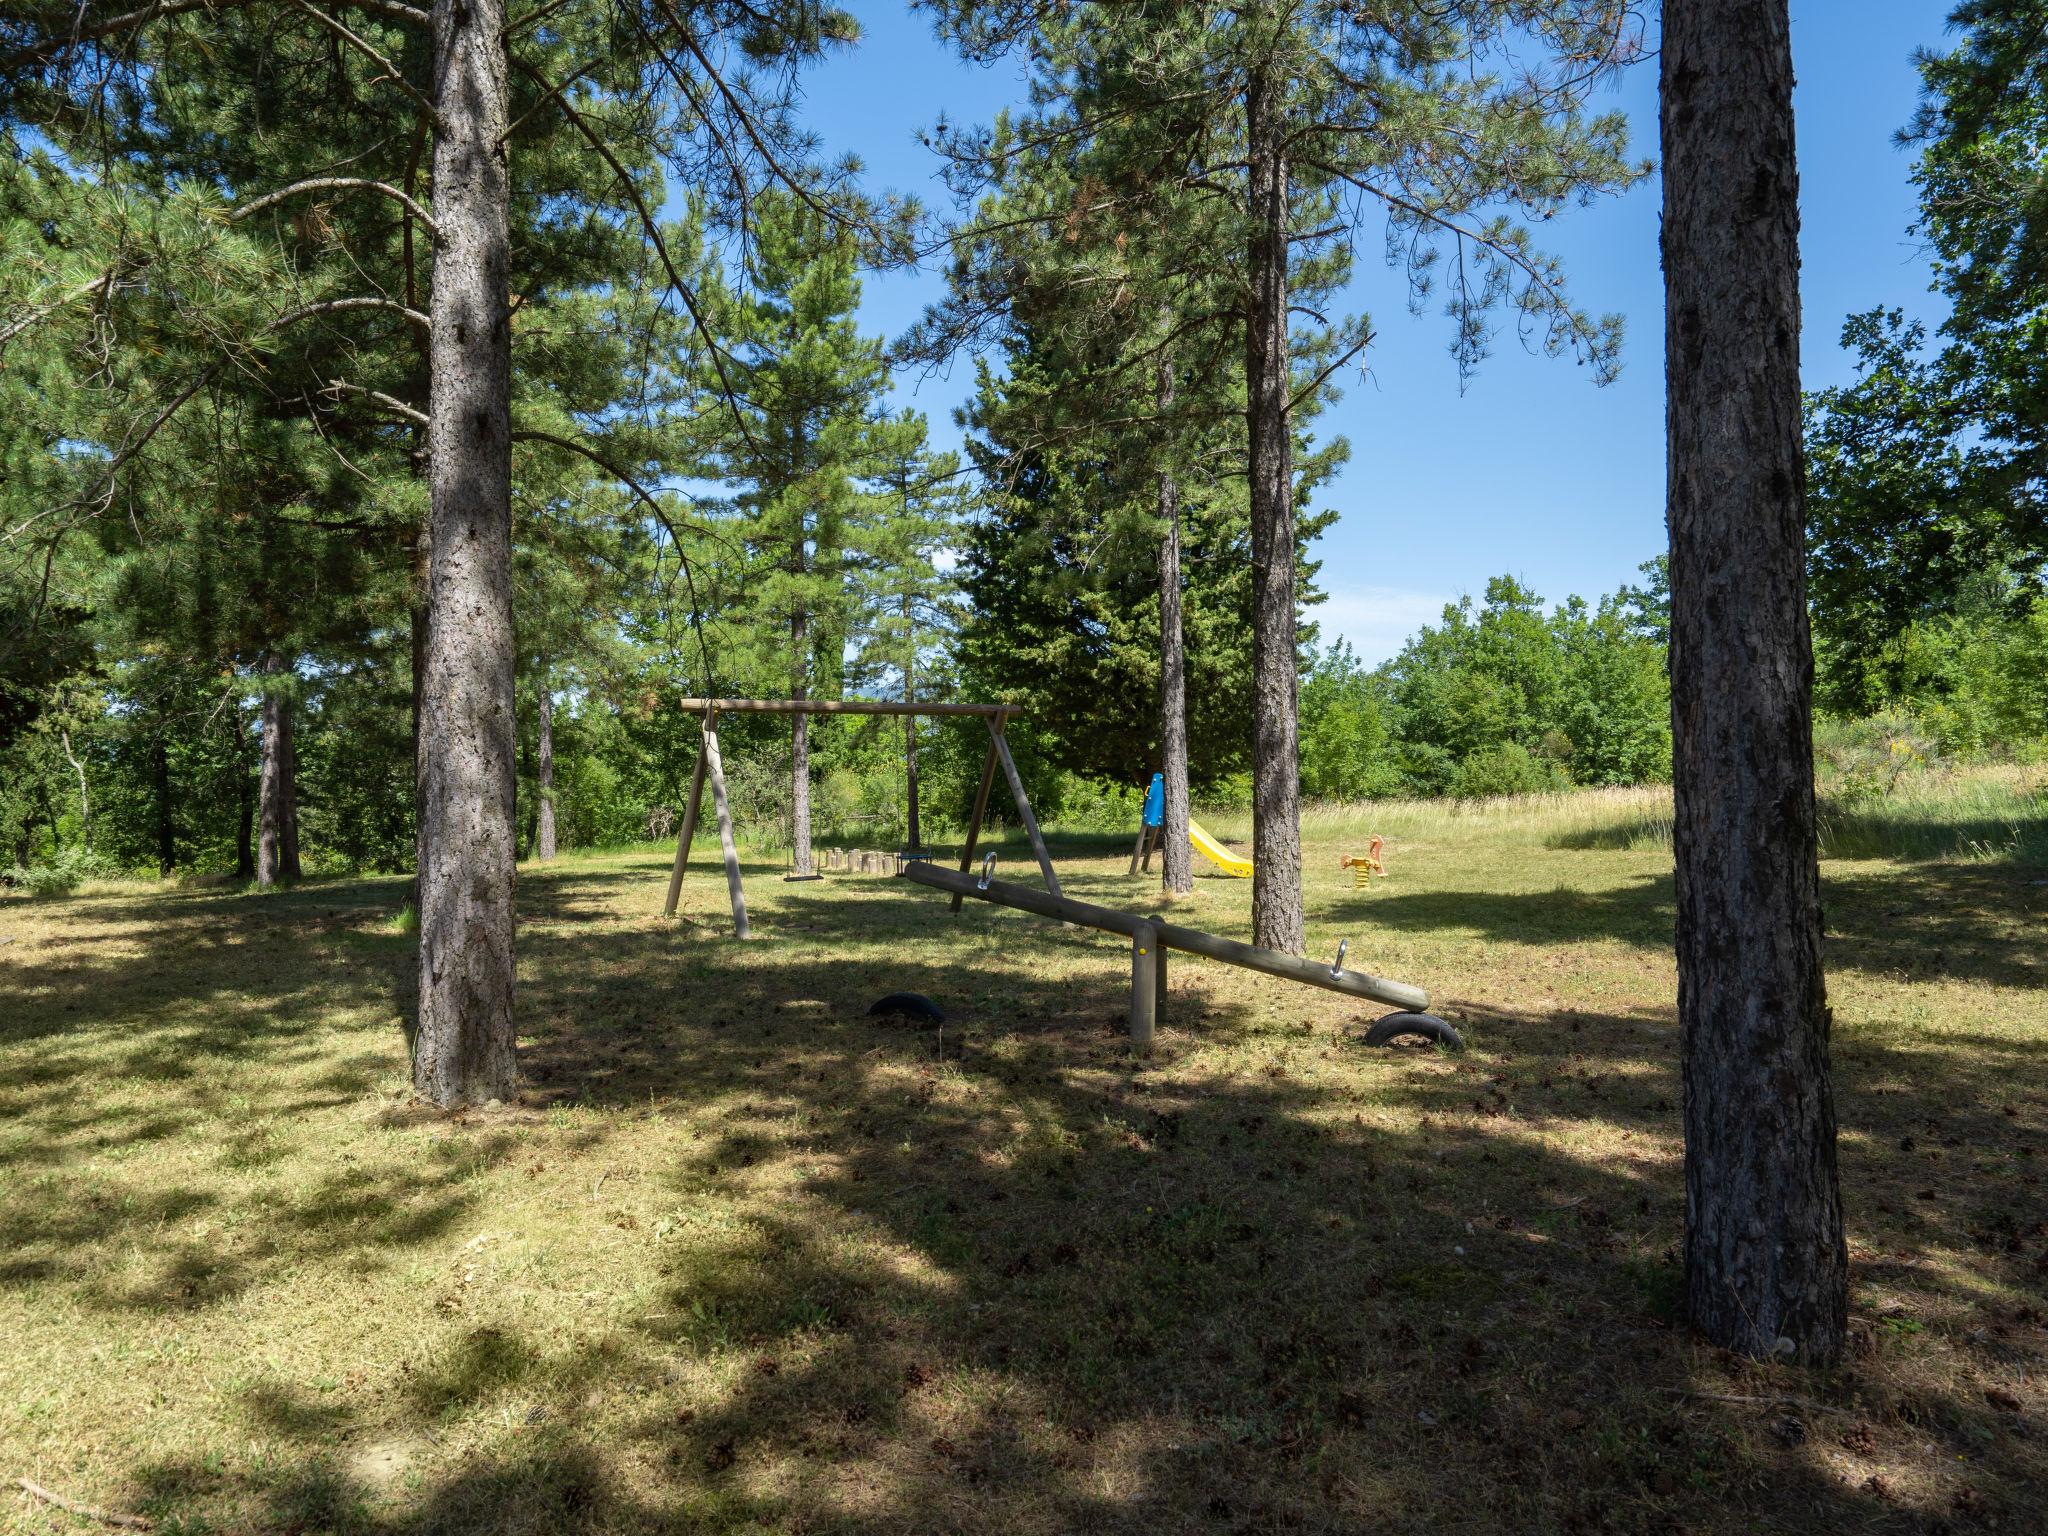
(1982, 812)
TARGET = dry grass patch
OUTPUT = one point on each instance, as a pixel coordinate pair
(746, 1260)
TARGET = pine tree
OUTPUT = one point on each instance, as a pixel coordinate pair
(1301, 121)
(1766, 1269)
(633, 87)
(906, 604)
(811, 384)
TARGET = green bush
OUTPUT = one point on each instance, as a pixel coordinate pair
(1856, 761)
(1507, 769)
(64, 871)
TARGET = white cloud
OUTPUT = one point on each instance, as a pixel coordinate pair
(1376, 620)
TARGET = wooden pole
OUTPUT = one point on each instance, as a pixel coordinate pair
(675, 879)
(725, 842)
(1144, 985)
(1052, 881)
(1138, 847)
(988, 777)
(842, 707)
(1193, 941)
(1159, 967)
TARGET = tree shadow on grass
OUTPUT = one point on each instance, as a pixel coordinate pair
(1958, 922)
(1007, 1277)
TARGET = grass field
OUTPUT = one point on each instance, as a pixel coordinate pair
(742, 1259)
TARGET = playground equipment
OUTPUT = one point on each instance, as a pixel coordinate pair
(1152, 829)
(710, 765)
(1364, 867)
(1424, 1026)
(1151, 939)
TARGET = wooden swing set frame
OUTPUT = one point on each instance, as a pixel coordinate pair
(711, 766)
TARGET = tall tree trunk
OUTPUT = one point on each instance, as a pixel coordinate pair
(910, 726)
(245, 800)
(423, 583)
(277, 849)
(464, 1047)
(288, 723)
(1176, 862)
(800, 751)
(544, 775)
(84, 793)
(166, 826)
(1276, 769)
(1765, 1265)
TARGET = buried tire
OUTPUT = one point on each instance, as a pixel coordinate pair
(914, 1006)
(1423, 1026)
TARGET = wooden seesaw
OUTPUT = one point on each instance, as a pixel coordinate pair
(1151, 938)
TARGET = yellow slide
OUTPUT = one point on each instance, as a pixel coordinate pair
(1215, 852)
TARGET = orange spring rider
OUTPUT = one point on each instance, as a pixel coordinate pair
(1364, 866)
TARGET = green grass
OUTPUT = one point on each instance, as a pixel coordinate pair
(743, 1259)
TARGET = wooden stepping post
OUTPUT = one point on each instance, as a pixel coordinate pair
(1146, 977)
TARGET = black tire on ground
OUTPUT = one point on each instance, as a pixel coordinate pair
(1426, 1026)
(908, 1005)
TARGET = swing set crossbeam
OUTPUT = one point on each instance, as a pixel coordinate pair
(710, 768)
(842, 707)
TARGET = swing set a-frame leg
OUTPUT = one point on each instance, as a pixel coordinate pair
(709, 765)
(675, 879)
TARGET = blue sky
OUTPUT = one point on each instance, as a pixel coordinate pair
(1532, 470)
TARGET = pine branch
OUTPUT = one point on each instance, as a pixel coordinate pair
(105, 491)
(652, 230)
(42, 312)
(77, 33)
(390, 402)
(660, 514)
(370, 51)
(326, 183)
(330, 306)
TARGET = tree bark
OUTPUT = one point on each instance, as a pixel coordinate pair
(544, 776)
(1176, 863)
(800, 752)
(1765, 1263)
(464, 1048)
(1277, 919)
(245, 800)
(423, 584)
(277, 849)
(84, 793)
(166, 825)
(289, 723)
(910, 726)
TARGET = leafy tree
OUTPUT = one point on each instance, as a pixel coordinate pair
(1575, 696)
(1931, 467)
(1347, 730)
(1901, 515)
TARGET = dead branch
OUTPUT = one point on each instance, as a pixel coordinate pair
(88, 1511)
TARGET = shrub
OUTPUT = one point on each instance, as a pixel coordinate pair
(67, 869)
(1868, 759)
(1507, 769)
